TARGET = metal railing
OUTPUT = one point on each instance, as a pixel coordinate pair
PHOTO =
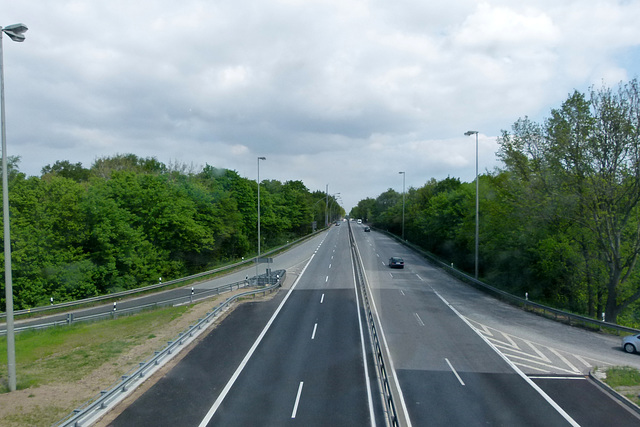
(390, 407)
(184, 299)
(117, 295)
(96, 407)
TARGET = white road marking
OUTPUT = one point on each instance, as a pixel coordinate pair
(564, 359)
(315, 327)
(544, 395)
(584, 362)
(322, 299)
(543, 377)
(512, 343)
(244, 362)
(402, 292)
(385, 345)
(329, 265)
(364, 352)
(419, 319)
(295, 406)
(326, 279)
(454, 371)
(420, 277)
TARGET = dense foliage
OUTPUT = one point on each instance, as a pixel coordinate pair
(128, 221)
(560, 221)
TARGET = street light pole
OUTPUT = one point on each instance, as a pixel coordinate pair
(326, 207)
(468, 133)
(15, 33)
(258, 259)
(403, 177)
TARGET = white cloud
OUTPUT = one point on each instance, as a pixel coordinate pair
(341, 92)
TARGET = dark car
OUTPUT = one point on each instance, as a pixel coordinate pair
(367, 228)
(396, 262)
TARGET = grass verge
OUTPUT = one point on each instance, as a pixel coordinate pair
(68, 353)
(625, 380)
(58, 369)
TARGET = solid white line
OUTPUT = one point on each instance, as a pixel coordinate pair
(244, 362)
(419, 319)
(322, 299)
(542, 377)
(364, 352)
(544, 395)
(313, 335)
(454, 371)
(391, 367)
(295, 406)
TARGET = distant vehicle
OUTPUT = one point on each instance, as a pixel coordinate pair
(396, 262)
(337, 222)
(367, 228)
(359, 221)
(631, 343)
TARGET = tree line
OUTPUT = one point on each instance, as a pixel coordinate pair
(559, 220)
(127, 221)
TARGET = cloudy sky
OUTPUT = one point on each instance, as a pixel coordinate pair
(339, 92)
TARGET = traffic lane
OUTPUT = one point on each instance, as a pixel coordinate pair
(587, 403)
(325, 358)
(184, 394)
(443, 365)
(438, 398)
(597, 348)
(285, 260)
(600, 349)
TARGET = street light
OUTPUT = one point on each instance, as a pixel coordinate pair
(333, 200)
(468, 133)
(15, 33)
(403, 177)
(258, 259)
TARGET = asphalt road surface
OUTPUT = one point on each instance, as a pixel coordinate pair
(451, 373)
(300, 359)
(459, 358)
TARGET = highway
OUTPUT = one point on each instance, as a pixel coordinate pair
(289, 260)
(450, 374)
(459, 357)
(309, 365)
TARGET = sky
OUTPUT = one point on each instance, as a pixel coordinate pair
(337, 93)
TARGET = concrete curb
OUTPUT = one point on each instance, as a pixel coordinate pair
(632, 406)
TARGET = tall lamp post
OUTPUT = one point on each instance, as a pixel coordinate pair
(468, 133)
(15, 33)
(258, 259)
(326, 207)
(403, 177)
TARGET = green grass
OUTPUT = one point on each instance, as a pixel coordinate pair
(626, 381)
(623, 376)
(69, 353)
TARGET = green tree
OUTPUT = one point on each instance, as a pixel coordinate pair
(585, 165)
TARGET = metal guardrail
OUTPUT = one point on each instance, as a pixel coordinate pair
(525, 303)
(72, 318)
(116, 295)
(390, 407)
(96, 408)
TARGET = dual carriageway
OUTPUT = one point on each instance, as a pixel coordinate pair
(454, 356)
